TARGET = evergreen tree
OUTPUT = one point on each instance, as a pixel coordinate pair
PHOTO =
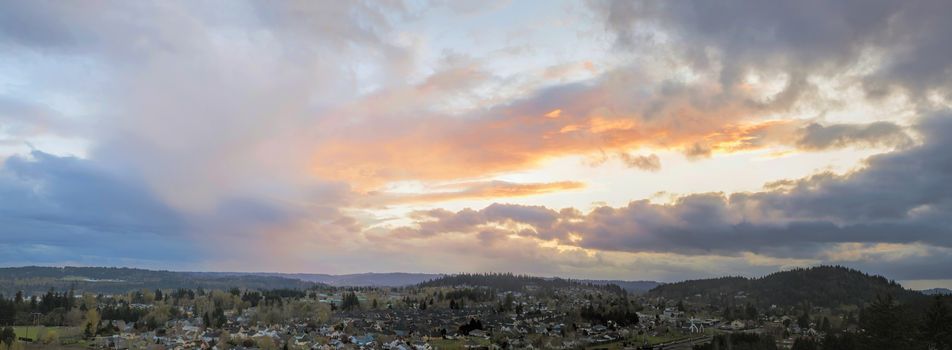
(751, 311)
(805, 344)
(936, 328)
(738, 341)
(218, 317)
(804, 321)
(349, 301)
(7, 336)
(88, 332)
(840, 341)
(883, 325)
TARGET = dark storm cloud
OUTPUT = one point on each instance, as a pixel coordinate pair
(71, 191)
(798, 37)
(925, 267)
(904, 185)
(75, 210)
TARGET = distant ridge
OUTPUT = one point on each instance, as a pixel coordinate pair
(514, 282)
(827, 286)
(370, 279)
(403, 279)
(38, 279)
(112, 280)
(637, 287)
(937, 291)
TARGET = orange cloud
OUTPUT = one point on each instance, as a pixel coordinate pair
(474, 190)
(745, 137)
(381, 139)
(567, 70)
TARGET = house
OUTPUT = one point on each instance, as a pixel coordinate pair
(210, 336)
(696, 327)
(365, 340)
(599, 329)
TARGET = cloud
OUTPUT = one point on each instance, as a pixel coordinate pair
(902, 198)
(440, 221)
(65, 208)
(803, 135)
(22, 119)
(800, 39)
(600, 115)
(818, 137)
(649, 162)
(267, 135)
(327, 86)
(472, 190)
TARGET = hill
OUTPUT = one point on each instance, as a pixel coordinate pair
(404, 279)
(827, 286)
(109, 280)
(514, 283)
(371, 279)
(636, 287)
(936, 291)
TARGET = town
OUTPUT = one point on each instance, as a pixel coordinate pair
(491, 311)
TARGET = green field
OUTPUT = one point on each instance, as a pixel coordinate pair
(31, 346)
(27, 332)
(66, 338)
(32, 331)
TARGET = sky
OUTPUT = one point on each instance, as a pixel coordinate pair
(636, 140)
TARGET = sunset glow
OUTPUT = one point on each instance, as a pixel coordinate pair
(597, 139)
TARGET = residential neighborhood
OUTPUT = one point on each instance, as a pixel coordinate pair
(496, 311)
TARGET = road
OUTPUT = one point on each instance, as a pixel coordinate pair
(686, 344)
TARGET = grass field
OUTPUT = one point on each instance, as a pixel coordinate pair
(71, 336)
(27, 332)
(31, 346)
(32, 331)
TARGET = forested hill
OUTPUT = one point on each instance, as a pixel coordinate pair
(827, 286)
(512, 282)
(108, 280)
(369, 279)
(637, 287)
(936, 291)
